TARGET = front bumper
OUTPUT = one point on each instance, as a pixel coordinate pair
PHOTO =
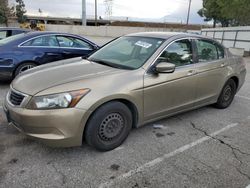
(56, 128)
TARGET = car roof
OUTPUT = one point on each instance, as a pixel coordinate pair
(41, 33)
(32, 34)
(38, 33)
(166, 35)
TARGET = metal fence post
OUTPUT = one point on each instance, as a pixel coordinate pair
(223, 34)
(236, 36)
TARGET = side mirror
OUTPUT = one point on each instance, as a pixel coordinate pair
(164, 67)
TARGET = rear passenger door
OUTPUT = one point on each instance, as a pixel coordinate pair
(71, 47)
(211, 70)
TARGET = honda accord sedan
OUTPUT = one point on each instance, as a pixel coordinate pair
(24, 51)
(134, 80)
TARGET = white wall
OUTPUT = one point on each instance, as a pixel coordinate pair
(102, 31)
(231, 37)
(102, 34)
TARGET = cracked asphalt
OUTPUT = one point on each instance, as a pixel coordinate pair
(206, 147)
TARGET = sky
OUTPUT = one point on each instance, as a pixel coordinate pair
(137, 10)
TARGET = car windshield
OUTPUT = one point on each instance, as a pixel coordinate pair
(127, 52)
(10, 39)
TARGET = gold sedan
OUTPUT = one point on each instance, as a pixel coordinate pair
(136, 79)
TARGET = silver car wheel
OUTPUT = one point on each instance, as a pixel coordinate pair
(26, 67)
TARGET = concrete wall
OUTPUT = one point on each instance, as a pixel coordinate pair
(102, 34)
(231, 37)
(102, 31)
(10, 25)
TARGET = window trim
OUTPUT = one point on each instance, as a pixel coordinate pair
(218, 45)
(53, 47)
(179, 67)
(41, 46)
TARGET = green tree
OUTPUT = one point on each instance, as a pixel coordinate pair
(20, 11)
(237, 11)
(209, 11)
(233, 12)
(5, 12)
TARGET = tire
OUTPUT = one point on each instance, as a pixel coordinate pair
(227, 95)
(109, 126)
(23, 67)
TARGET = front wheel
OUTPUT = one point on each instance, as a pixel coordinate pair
(23, 67)
(109, 126)
(227, 94)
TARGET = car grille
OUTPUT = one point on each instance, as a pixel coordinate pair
(16, 98)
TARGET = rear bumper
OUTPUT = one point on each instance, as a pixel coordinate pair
(56, 128)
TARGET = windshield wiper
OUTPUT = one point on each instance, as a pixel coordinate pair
(110, 64)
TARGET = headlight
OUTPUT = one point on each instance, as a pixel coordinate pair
(55, 101)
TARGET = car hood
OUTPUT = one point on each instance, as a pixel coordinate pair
(53, 74)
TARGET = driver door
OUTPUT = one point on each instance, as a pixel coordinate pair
(168, 93)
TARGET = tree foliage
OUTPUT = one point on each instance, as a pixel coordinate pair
(5, 12)
(20, 11)
(233, 12)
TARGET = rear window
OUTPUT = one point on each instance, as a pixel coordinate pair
(209, 51)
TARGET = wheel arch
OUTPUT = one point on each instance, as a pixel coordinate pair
(131, 106)
(236, 80)
(21, 63)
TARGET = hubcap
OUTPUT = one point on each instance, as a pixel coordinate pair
(227, 93)
(111, 126)
(26, 67)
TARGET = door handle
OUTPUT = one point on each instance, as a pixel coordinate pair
(66, 52)
(191, 72)
(51, 53)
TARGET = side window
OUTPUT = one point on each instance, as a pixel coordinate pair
(3, 34)
(207, 51)
(45, 41)
(178, 53)
(221, 52)
(71, 42)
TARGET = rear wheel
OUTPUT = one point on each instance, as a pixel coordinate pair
(109, 126)
(23, 67)
(227, 94)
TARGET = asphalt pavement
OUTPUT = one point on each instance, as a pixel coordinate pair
(206, 147)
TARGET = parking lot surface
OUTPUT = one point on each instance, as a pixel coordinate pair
(206, 147)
